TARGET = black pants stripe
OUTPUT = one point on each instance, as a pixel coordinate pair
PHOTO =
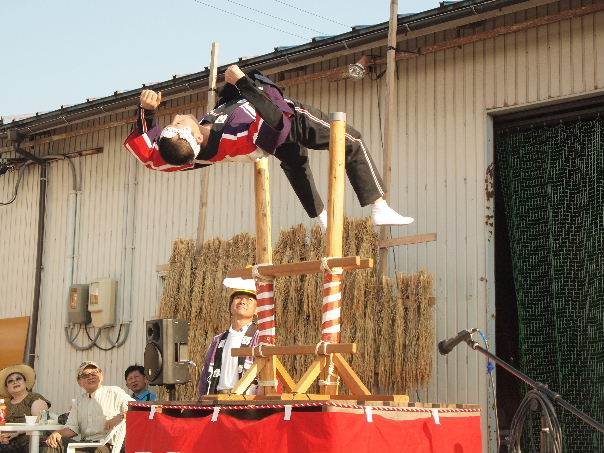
(310, 129)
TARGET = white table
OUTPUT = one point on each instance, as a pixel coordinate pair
(33, 431)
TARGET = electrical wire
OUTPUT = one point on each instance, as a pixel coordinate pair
(119, 342)
(71, 338)
(16, 190)
(98, 334)
(312, 13)
(490, 369)
(549, 422)
(231, 13)
(274, 17)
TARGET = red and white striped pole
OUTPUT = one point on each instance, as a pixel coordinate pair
(332, 306)
(267, 379)
(332, 278)
(265, 311)
(264, 253)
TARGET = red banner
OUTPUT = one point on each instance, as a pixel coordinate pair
(317, 432)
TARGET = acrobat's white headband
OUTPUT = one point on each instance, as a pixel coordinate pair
(185, 133)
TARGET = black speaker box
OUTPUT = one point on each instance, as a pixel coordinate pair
(166, 350)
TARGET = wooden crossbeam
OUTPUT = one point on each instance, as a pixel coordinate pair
(329, 348)
(407, 240)
(304, 267)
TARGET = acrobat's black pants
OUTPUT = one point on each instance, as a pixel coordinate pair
(310, 129)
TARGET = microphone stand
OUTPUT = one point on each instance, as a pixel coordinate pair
(537, 386)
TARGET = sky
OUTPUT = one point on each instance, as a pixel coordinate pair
(62, 52)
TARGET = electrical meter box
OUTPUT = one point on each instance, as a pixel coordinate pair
(77, 305)
(102, 295)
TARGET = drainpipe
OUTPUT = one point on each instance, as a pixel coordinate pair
(33, 323)
(32, 334)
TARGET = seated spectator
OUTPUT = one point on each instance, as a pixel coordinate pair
(16, 383)
(138, 384)
(97, 411)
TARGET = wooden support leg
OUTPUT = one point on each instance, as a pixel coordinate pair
(267, 380)
(349, 376)
(329, 382)
(288, 382)
(311, 374)
(330, 324)
(249, 376)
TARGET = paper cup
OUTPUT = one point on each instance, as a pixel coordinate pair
(31, 419)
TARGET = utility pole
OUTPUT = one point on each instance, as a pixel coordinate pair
(389, 121)
(203, 199)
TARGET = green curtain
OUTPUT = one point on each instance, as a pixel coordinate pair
(552, 181)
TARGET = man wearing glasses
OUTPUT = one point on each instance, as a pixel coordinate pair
(220, 370)
(97, 410)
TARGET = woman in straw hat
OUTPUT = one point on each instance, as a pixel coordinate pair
(16, 383)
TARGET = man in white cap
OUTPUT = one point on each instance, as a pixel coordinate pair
(221, 371)
(97, 410)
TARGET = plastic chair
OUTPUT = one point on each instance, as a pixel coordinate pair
(117, 434)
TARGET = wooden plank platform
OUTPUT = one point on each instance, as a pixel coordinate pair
(407, 240)
(357, 400)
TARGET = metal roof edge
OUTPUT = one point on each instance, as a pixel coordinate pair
(176, 85)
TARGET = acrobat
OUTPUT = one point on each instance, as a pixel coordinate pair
(252, 119)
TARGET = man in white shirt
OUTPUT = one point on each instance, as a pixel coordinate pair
(97, 410)
(220, 370)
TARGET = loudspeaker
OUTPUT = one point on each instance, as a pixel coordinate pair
(166, 350)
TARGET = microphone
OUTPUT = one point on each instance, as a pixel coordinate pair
(446, 346)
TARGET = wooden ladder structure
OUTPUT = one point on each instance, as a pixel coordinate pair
(329, 364)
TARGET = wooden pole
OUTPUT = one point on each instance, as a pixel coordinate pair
(264, 286)
(330, 328)
(335, 203)
(389, 124)
(332, 278)
(203, 199)
(264, 250)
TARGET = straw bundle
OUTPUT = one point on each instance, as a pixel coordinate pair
(384, 329)
(392, 324)
(415, 293)
(291, 247)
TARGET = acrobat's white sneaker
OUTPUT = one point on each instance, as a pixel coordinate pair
(382, 214)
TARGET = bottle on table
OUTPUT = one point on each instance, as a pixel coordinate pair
(2, 412)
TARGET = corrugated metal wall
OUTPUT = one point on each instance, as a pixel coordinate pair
(442, 153)
(18, 223)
